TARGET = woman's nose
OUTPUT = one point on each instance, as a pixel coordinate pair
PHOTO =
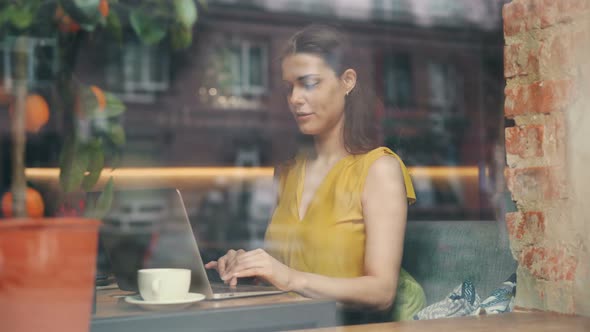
(296, 96)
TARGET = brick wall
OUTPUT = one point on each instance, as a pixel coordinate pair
(547, 71)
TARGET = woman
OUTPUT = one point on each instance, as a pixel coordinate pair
(338, 229)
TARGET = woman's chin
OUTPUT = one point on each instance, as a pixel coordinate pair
(307, 131)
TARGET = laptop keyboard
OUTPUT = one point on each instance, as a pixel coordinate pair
(223, 288)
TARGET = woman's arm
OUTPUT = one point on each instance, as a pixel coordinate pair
(384, 211)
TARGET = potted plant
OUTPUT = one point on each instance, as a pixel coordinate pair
(47, 265)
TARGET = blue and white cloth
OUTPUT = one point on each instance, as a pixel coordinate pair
(464, 301)
(501, 300)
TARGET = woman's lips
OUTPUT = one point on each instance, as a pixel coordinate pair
(303, 116)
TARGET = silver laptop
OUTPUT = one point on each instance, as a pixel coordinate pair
(150, 228)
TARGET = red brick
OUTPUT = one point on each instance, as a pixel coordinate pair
(526, 227)
(530, 14)
(514, 15)
(549, 264)
(519, 61)
(540, 13)
(538, 97)
(562, 52)
(536, 183)
(511, 65)
(512, 221)
(525, 141)
(520, 16)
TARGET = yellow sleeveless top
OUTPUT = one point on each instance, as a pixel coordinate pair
(330, 238)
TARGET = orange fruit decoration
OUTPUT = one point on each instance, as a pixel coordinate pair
(65, 22)
(103, 7)
(100, 97)
(36, 112)
(33, 202)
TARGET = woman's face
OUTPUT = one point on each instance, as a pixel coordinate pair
(316, 95)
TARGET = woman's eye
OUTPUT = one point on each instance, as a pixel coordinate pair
(310, 85)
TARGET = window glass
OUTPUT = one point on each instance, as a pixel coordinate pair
(136, 72)
(445, 85)
(149, 99)
(236, 73)
(398, 80)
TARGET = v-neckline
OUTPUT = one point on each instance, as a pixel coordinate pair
(301, 187)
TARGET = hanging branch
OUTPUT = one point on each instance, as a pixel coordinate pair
(19, 136)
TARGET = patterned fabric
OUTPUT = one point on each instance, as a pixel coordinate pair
(501, 300)
(462, 301)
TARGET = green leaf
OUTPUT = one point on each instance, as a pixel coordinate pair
(114, 26)
(65, 161)
(3, 17)
(75, 160)
(20, 17)
(186, 12)
(84, 12)
(88, 101)
(114, 107)
(117, 135)
(90, 209)
(116, 158)
(95, 165)
(181, 37)
(148, 28)
(90, 108)
(104, 201)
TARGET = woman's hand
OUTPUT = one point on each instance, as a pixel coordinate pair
(221, 265)
(255, 263)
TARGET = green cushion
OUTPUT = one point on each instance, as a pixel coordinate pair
(409, 299)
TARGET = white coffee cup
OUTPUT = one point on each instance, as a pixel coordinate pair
(163, 284)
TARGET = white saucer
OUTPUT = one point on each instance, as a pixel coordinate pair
(165, 305)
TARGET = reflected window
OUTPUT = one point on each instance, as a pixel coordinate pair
(42, 61)
(391, 9)
(236, 74)
(312, 7)
(398, 80)
(248, 67)
(450, 11)
(445, 86)
(137, 71)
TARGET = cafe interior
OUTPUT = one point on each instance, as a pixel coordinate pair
(139, 141)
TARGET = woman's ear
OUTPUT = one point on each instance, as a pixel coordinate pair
(349, 79)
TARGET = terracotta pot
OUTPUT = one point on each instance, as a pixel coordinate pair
(47, 271)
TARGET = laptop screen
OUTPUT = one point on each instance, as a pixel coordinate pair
(148, 228)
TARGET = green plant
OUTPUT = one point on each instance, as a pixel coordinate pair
(91, 117)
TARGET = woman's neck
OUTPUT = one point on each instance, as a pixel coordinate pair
(330, 147)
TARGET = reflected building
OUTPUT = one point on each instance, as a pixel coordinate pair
(436, 65)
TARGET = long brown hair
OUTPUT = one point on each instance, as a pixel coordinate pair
(332, 45)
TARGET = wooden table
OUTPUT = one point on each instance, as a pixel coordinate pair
(509, 322)
(263, 313)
